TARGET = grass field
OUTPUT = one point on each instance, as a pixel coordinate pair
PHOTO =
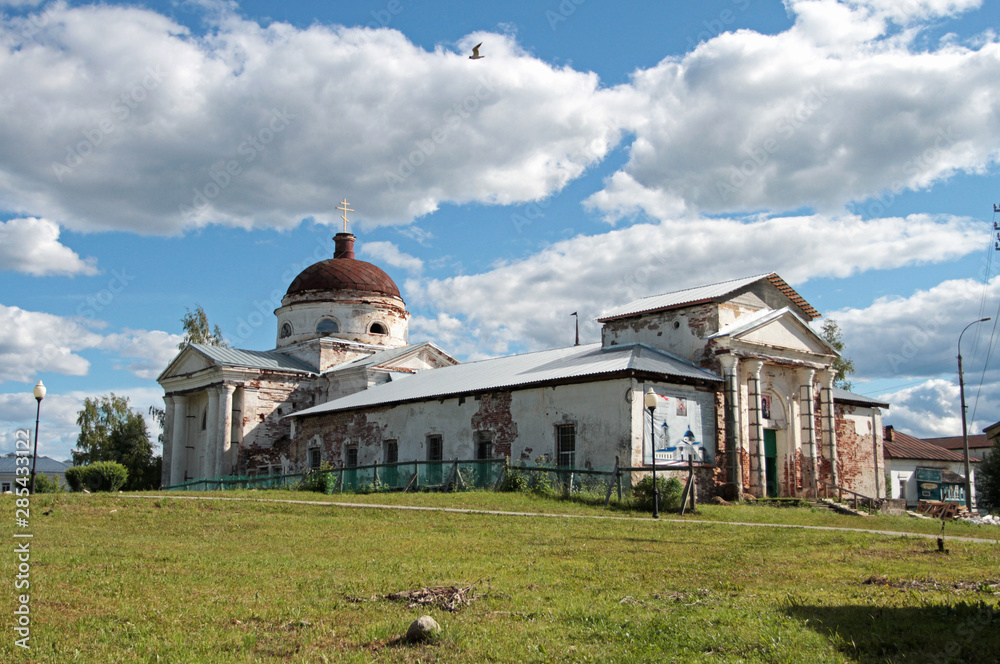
(119, 579)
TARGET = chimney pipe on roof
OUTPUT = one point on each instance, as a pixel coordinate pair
(344, 245)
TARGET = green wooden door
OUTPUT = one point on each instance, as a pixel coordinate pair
(771, 462)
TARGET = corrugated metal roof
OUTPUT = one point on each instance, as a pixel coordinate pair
(956, 442)
(380, 357)
(899, 445)
(706, 293)
(254, 359)
(844, 395)
(516, 371)
(8, 466)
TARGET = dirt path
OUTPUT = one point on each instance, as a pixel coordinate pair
(460, 510)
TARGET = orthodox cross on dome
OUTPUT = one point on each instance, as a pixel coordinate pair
(343, 206)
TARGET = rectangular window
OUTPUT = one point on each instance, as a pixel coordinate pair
(390, 451)
(315, 458)
(6, 487)
(351, 456)
(435, 448)
(435, 452)
(566, 445)
(484, 444)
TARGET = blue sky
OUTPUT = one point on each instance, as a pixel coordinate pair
(155, 156)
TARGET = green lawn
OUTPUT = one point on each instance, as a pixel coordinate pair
(117, 579)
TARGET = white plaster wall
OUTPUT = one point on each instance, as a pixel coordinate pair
(354, 317)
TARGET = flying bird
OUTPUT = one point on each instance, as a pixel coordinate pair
(475, 52)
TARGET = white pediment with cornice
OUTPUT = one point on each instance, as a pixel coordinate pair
(777, 329)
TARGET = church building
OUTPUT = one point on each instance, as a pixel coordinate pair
(744, 391)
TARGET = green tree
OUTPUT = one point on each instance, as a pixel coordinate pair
(198, 331)
(112, 431)
(988, 479)
(844, 366)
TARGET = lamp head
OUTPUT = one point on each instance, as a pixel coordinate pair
(650, 399)
(39, 391)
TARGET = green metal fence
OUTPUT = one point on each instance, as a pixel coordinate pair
(407, 475)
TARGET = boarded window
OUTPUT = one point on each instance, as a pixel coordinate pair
(566, 445)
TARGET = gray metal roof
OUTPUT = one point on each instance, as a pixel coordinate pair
(844, 395)
(706, 293)
(254, 359)
(8, 466)
(380, 357)
(686, 296)
(516, 371)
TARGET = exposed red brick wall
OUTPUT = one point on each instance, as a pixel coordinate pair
(855, 455)
(494, 416)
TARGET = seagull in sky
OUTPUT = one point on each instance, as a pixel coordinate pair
(475, 52)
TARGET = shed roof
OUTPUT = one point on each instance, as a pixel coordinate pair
(514, 371)
(707, 293)
(851, 397)
(956, 442)
(899, 445)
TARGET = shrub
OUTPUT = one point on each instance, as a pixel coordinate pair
(670, 493)
(100, 476)
(320, 480)
(45, 484)
(514, 480)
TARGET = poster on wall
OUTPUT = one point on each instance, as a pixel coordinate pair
(683, 428)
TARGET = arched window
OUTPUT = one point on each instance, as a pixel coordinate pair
(327, 326)
(377, 328)
(286, 330)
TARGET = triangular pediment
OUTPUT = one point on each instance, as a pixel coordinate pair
(189, 361)
(776, 329)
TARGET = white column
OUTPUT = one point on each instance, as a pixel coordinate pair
(756, 424)
(178, 443)
(807, 400)
(829, 415)
(212, 439)
(734, 446)
(168, 441)
(222, 464)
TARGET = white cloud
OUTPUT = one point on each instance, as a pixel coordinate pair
(32, 342)
(31, 245)
(57, 427)
(260, 126)
(152, 350)
(389, 254)
(528, 302)
(825, 113)
(928, 410)
(917, 336)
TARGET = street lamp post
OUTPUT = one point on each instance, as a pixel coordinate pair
(965, 429)
(39, 393)
(650, 401)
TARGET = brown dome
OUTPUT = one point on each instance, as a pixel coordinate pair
(344, 274)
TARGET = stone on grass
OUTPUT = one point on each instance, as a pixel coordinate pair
(422, 629)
